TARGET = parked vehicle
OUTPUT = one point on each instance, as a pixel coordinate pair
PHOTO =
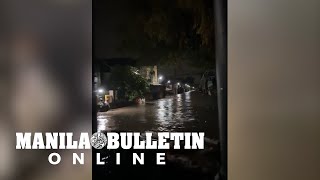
(103, 106)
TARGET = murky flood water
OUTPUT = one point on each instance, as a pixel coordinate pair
(190, 111)
(187, 112)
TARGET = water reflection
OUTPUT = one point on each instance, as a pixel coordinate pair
(102, 120)
(185, 112)
(189, 111)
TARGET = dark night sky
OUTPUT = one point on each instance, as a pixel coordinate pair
(110, 17)
(110, 20)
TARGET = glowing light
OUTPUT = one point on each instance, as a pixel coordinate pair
(169, 81)
(100, 90)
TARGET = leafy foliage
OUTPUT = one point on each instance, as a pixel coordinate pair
(173, 31)
(128, 84)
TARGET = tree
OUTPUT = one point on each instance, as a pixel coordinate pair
(128, 84)
(171, 32)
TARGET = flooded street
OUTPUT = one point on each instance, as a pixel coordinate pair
(190, 111)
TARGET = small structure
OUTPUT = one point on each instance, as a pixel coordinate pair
(150, 73)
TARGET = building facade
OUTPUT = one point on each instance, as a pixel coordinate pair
(150, 73)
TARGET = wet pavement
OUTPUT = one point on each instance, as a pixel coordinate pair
(190, 111)
(187, 112)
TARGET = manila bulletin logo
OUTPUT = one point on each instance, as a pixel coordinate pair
(98, 140)
(111, 140)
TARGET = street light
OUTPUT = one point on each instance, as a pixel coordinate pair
(100, 90)
(178, 84)
(159, 79)
(168, 81)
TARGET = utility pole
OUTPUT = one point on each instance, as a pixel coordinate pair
(220, 13)
(95, 74)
